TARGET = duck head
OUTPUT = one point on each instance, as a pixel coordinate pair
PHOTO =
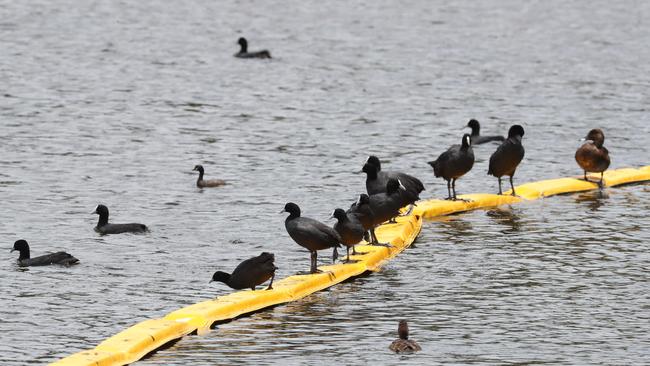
(22, 247)
(339, 214)
(475, 126)
(596, 136)
(516, 130)
(243, 44)
(292, 209)
(370, 169)
(403, 329)
(102, 211)
(219, 276)
(363, 199)
(372, 159)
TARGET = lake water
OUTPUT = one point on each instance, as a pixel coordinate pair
(115, 102)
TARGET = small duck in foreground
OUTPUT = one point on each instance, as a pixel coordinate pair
(203, 183)
(403, 343)
(24, 259)
(103, 227)
(249, 273)
(592, 156)
(243, 51)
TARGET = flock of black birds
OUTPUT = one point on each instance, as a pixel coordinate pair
(387, 193)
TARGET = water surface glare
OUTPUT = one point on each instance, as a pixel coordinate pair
(114, 102)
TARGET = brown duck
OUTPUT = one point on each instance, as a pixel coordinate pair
(203, 183)
(592, 156)
(403, 343)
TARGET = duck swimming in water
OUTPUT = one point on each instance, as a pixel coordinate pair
(203, 183)
(24, 259)
(454, 163)
(103, 227)
(477, 138)
(403, 343)
(592, 156)
(509, 154)
(249, 273)
(243, 51)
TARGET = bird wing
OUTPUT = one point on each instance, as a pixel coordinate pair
(307, 229)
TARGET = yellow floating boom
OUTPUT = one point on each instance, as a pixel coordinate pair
(143, 338)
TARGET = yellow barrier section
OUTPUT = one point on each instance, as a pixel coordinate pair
(531, 191)
(134, 343)
(137, 341)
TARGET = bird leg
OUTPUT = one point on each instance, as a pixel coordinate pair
(376, 242)
(586, 176)
(449, 191)
(335, 255)
(600, 184)
(314, 257)
(347, 249)
(271, 284)
(453, 187)
(500, 192)
(354, 251)
(512, 186)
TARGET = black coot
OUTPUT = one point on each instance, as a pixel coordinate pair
(592, 156)
(509, 154)
(249, 273)
(349, 229)
(310, 234)
(385, 206)
(376, 178)
(477, 138)
(24, 259)
(243, 51)
(361, 209)
(454, 163)
(103, 227)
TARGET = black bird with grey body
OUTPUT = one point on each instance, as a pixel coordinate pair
(310, 234)
(454, 163)
(376, 178)
(506, 158)
(25, 260)
(103, 227)
(249, 273)
(243, 51)
(477, 138)
(349, 229)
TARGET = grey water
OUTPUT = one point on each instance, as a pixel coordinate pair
(114, 102)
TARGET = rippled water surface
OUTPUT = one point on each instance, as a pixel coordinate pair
(114, 102)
